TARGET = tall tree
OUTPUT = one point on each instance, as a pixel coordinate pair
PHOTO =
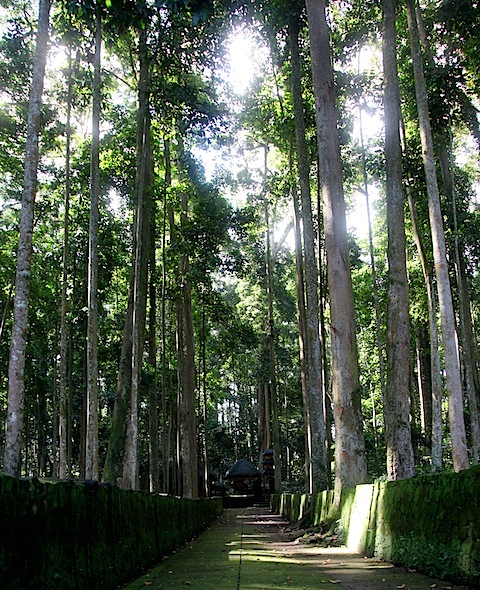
(63, 462)
(140, 266)
(16, 368)
(313, 352)
(91, 448)
(351, 467)
(447, 314)
(400, 459)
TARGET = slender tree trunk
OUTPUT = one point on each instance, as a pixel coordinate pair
(400, 458)
(466, 336)
(16, 367)
(447, 315)
(313, 351)
(165, 433)
(187, 427)
(350, 459)
(424, 381)
(131, 460)
(188, 421)
(435, 370)
(301, 334)
(113, 469)
(272, 385)
(153, 423)
(206, 483)
(64, 467)
(91, 454)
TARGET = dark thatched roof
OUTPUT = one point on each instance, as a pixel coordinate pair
(242, 469)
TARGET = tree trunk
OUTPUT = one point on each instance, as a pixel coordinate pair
(91, 453)
(63, 434)
(131, 460)
(16, 367)
(351, 467)
(435, 370)
(272, 385)
(467, 347)
(447, 315)
(302, 338)
(165, 432)
(153, 448)
(187, 427)
(424, 382)
(313, 351)
(400, 458)
(113, 469)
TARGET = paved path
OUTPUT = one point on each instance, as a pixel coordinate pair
(247, 549)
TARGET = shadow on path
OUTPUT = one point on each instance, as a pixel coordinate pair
(247, 549)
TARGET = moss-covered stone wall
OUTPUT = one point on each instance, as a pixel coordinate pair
(71, 536)
(430, 522)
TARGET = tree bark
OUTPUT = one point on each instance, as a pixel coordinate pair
(302, 337)
(350, 459)
(131, 460)
(272, 385)
(447, 315)
(313, 351)
(63, 434)
(16, 367)
(153, 423)
(400, 458)
(91, 453)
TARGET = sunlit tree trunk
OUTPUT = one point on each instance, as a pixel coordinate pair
(91, 451)
(444, 149)
(16, 367)
(313, 351)
(350, 459)
(400, 458)
(447, 315)
(466, 333)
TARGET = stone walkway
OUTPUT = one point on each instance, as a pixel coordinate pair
(248, 549)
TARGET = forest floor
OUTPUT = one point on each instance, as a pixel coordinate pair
(252, 549)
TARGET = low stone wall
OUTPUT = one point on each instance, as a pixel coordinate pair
(71, 536)
(430, 522)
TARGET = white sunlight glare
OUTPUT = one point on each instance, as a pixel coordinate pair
(245, 57)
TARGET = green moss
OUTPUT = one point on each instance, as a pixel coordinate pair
(71, 536)
(431, 522)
